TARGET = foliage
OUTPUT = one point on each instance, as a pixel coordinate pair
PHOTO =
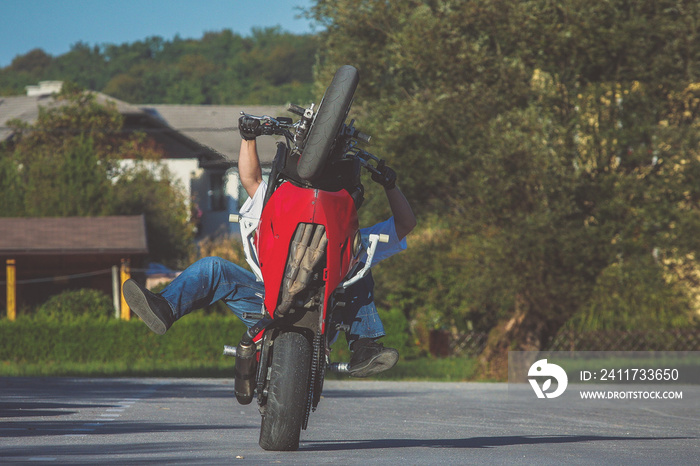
(634, 296)
(139, 190)
(224, 246)
(438, 264)
(76, 304)
(51, 169)
(555, 141)
(269, 66)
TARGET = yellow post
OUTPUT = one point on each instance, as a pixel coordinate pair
(11, 290)
(125, 274)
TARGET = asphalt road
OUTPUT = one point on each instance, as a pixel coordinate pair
(198, 421)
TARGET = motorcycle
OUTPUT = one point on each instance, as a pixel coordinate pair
(305, 247)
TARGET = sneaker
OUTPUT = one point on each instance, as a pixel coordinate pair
(370, 357)
(153, 309)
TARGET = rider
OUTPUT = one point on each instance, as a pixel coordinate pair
(212, 279)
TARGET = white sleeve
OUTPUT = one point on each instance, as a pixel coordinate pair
(252, 207)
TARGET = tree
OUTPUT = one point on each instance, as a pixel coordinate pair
(553, 140)
(140, 191)
(269, 66)
(67, 164)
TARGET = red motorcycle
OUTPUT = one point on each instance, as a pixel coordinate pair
(305, 247)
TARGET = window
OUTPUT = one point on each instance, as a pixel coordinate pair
(217, 192)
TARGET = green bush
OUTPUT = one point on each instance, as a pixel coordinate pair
(73, 304)
(634, 295)
(398, 334)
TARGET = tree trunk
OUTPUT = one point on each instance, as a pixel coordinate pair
(525, 330)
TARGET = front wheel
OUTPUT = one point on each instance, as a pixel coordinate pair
(331, 114)
(287, 393)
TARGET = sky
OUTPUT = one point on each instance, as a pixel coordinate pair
(55, 25)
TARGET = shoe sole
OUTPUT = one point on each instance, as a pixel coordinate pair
(136, 300)
(379, 363)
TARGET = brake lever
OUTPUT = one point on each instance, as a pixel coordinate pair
(364, 157)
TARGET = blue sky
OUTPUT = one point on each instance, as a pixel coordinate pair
(55, 25)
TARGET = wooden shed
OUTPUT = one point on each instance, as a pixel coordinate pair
(50, 255)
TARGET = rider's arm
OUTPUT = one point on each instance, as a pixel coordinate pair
(404, 219)
(249, 166)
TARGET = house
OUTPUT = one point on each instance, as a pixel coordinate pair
(200, 145)
(215, 186)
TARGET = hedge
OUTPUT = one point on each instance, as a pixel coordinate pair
(36, 340)
(44, 344)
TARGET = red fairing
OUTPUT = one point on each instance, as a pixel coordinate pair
(291, 205)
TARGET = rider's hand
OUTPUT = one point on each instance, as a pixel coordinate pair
(249, 128)
(385, 176)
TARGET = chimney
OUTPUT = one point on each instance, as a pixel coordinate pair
(44, 88)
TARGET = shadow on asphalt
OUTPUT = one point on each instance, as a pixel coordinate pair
(473, 442)
(62, 428)
(43, 409)
(340, 393)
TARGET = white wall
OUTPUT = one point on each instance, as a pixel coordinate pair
(181, 170)
(195, 184)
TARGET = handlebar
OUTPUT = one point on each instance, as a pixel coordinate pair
(284, 126)
(272, 126)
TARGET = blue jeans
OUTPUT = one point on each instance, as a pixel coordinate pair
(214, 279)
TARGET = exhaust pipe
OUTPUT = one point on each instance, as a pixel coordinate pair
(244, 372)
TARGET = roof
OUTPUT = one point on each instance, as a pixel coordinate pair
(216, 126)
(176, 144)
(26, 108)
(206, 132)
(73, 235)
(22, 107)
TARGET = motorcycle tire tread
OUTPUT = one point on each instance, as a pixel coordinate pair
(287, 393)
(331, 115)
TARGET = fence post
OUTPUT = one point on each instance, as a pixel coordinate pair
(116, 292)
(11, 289)
(125, 273)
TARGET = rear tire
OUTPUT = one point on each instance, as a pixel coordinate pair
(288, 392)
(331, 114)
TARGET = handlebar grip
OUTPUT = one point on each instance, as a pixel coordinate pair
(363, 137)
(296, 109)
